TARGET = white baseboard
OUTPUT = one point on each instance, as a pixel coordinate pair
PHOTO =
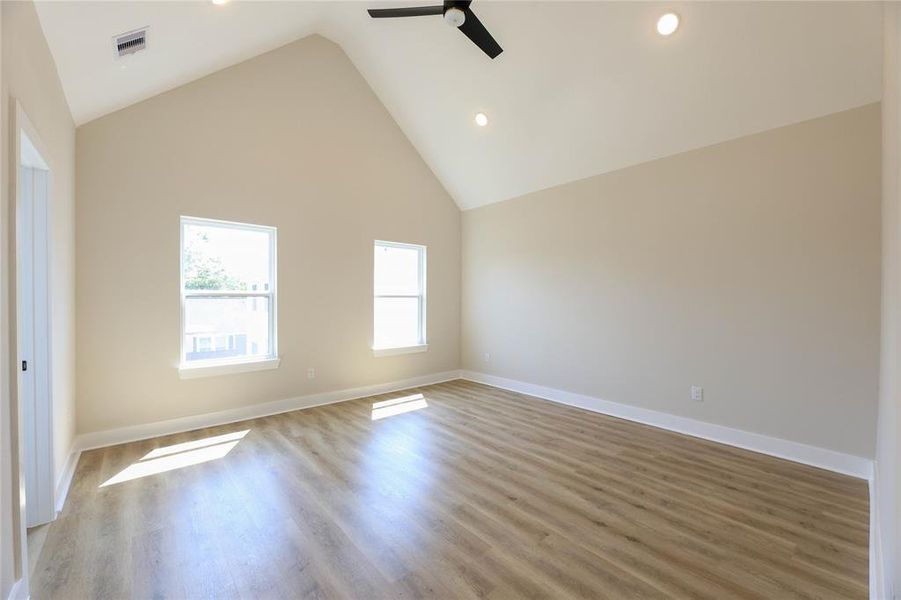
(65, 479)
(847, 464)
(111, 437)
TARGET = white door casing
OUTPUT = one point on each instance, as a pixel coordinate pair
(32, 330)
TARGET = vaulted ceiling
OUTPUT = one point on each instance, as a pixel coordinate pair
(582, 88)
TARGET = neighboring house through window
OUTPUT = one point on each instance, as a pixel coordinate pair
(228, 273)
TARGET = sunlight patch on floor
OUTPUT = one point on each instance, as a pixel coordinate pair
(177, 456)
(210, 441)
(398, 406)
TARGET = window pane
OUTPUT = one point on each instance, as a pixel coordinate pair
(225, 258)
(396, 322)
(396, 271)
(217, 328)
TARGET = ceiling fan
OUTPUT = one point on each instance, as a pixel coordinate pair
(456, 13)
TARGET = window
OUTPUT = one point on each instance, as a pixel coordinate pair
(399, 298)
(227, 297)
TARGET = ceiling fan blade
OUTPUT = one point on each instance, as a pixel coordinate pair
(474, 30)
(409, 11)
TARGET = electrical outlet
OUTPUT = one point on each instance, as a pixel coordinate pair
(697, 393)
(311, 373)
(487, 357)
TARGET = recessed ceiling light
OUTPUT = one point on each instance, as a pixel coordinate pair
(481, 119)
(667, 24)
(219, 2)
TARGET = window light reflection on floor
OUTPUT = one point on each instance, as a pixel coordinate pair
(398, 406)
(202, 443)
(177, 456)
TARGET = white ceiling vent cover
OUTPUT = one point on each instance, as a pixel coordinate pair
(130, 42)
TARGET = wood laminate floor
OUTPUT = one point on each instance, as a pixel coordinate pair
(473, 492)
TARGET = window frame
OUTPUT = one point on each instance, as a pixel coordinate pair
(422, 344)
(221, 366)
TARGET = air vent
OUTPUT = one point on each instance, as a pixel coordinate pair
(131, 42)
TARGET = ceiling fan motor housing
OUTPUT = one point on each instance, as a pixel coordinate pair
(454, 16)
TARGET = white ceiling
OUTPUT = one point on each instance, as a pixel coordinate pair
(582, 87)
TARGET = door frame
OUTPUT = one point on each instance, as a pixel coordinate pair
(42, 435)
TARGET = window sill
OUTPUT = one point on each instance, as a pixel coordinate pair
(403, 350)
(211, 370)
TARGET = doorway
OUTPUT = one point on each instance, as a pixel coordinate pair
(32, 324)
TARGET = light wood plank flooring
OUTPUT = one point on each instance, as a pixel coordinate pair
(479, 493)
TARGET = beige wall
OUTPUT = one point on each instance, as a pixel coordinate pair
(887, 480)
(29, 74)
(293, 138)
(751, 268)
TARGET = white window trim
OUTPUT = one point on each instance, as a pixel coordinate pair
(400, 350)
(209, 368)
(213, 368)
(423, 345)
